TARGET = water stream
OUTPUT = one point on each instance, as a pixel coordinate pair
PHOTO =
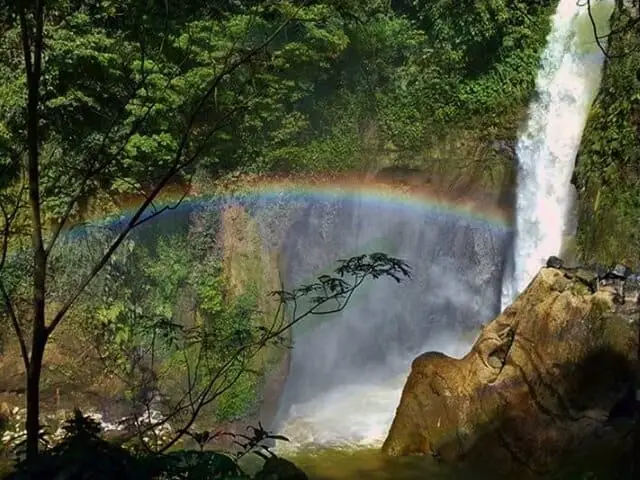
(567, 83)
(347, 371)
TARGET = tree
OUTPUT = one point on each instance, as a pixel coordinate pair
(81, 445)
(131, 116)
(628, 24)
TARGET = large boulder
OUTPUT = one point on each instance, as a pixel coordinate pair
(276, 468)
(546, 379)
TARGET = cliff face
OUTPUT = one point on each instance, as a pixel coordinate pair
(608, 164)
(549, 377)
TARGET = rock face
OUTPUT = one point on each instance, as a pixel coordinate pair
(543, 380)
(276, 468)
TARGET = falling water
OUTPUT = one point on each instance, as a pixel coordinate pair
(567, 82)
(347, 371)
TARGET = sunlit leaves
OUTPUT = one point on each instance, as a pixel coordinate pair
(209, 287)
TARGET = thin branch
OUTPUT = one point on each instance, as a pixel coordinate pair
(206, 397)
(16, 325)
(594, 27)
(603, 48)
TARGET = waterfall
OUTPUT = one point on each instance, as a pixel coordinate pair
(567, 82)
(347, 371)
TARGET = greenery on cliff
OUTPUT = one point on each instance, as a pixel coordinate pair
(345, 85)
(608, 168)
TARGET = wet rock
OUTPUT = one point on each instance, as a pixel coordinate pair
(587, 277)
(276, 468)
(505, 147)
(600, 270)
(555, 262)
(631, 290)
(620, 272)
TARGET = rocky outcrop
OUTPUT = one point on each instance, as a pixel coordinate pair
(276, 468)
(547, 378)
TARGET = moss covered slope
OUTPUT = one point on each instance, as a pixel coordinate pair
(608, 170)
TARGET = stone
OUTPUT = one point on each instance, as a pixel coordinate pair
(625, 407)
(535, 391)
(600, 270)
(620, 271)
(587, 277)
(554, 262)
(276, 468)
(504, 147)
(631, 290)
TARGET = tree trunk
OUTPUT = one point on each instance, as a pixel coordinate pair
(32, 48)
(33, 395)
(636, 439)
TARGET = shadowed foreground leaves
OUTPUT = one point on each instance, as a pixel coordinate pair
(83, 454)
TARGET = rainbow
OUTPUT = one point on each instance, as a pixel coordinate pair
(374, 192)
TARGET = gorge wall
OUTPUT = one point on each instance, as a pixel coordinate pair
(608, 167)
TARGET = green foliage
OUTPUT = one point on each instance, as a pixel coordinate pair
(209, 289)
(167, 272)
(240, 398)
(122, 78)
(130, 88)
(607, 174)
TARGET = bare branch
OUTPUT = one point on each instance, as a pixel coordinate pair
(598, 38)
(16, 325)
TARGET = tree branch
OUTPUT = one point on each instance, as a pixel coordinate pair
(603, 48)
(9, 218)
(16, 325)
(360, 272)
